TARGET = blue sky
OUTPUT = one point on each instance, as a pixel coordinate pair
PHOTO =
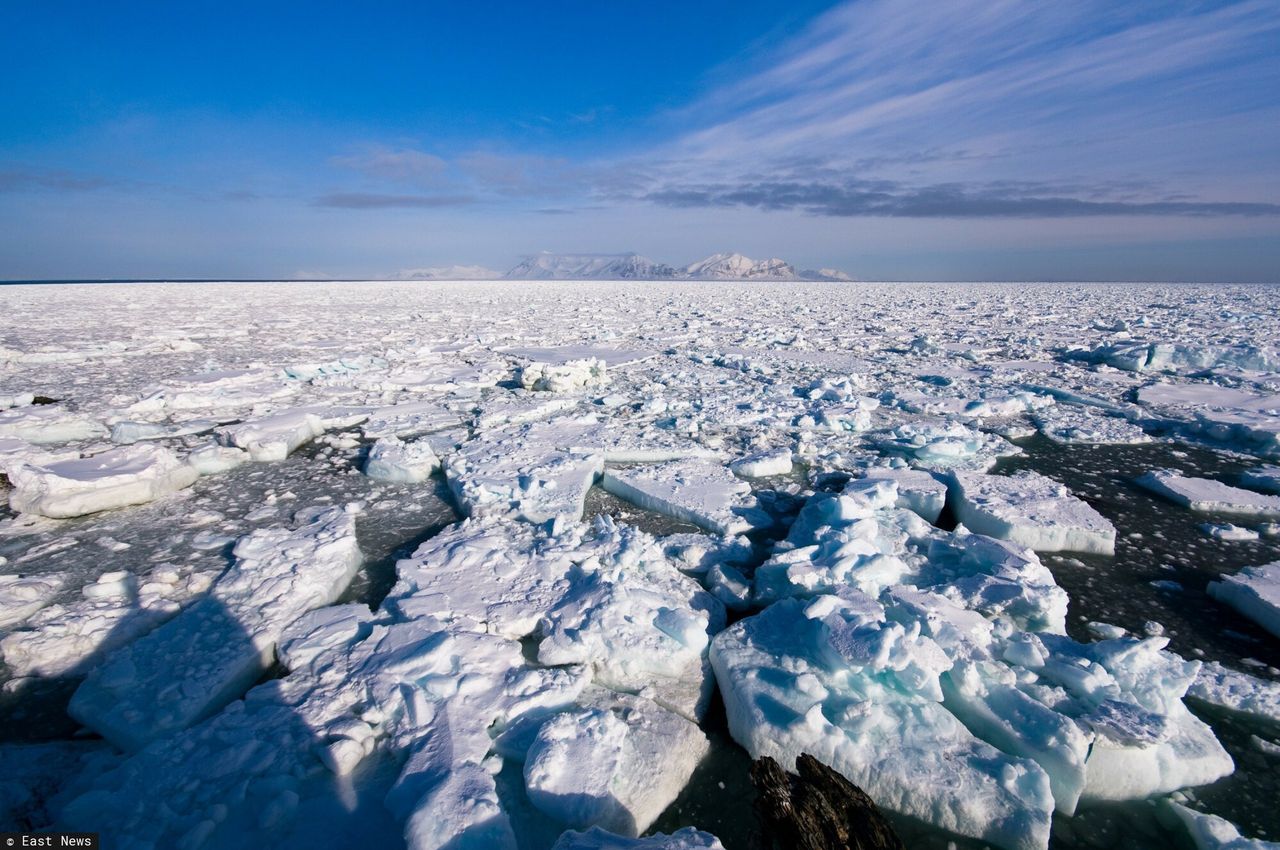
(896, 139)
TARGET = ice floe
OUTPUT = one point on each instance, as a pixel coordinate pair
(1032, 510)
(130, 475)
(1254, 592)
(1205, 494)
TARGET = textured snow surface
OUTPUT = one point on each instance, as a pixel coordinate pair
(629, 463)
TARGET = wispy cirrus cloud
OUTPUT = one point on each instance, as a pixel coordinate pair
(374, 201)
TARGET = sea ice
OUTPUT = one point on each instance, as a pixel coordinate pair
(1205, 494)
(831, 678)
(213, 651)
(763, 464)
(1076, 424)
(699, 492)
(1030, 509)
(616, 764)
(1254, 592)
(1238, 693)
(392, 459)
(115, 478)
(599, 839)
(21, 596)
(919, 491)
(51, 423)
(1210, 832)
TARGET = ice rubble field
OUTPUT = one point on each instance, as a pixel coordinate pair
(311, 564)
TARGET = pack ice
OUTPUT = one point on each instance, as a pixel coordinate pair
(213, 651)
(115, 478)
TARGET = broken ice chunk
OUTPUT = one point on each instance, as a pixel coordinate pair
(22, 596)
(1030, 509)
(788, 692)
(115, 478)
(1069, 424)
(762, 464)
(705, 494)
(274, 437)
(213, 651)
(525, 471)
(1205, 494)
(52, 423)
(599, 839)
(1238, 693)
(617, 763)
(1254, 592)
(919, 491)
(563, 377)
(1210, 832)
(391, 459)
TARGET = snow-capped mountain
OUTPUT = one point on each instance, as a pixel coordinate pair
(449, 273)
(547, 266)
(738, 267)
(824, 274)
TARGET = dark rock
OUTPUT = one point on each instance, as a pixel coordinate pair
(818, 809)
(44, 399)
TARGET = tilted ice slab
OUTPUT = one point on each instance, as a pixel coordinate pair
(1105, 720)
(601, 595)
(51, 423)
(703, 493)
(281, 764)
(213, 651)
(409, 419)
(1075, 424)
(1032, 510)
(392, 459)
(599, 839)
(855, 539)
(524, 472)
(1237, 693)
(1210, 832)
(936, 445)
(276, 436)
(763, 464)
(831, 678)
(63, 639)
(230, 389)
(1264, 478)
(21, 596)
(641, 624)
(486, 576)
(538, 471)
(615, 763)
(1205, 494)
(919, 491)
(1254, 592)
(115, 478)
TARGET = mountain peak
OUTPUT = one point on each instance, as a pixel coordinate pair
(631, 266)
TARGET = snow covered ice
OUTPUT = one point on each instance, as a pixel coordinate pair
(831, 517)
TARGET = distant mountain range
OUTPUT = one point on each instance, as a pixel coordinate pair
(547, 266)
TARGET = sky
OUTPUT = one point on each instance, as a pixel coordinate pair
(893, 139)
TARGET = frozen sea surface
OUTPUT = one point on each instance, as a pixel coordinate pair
(514, 608)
